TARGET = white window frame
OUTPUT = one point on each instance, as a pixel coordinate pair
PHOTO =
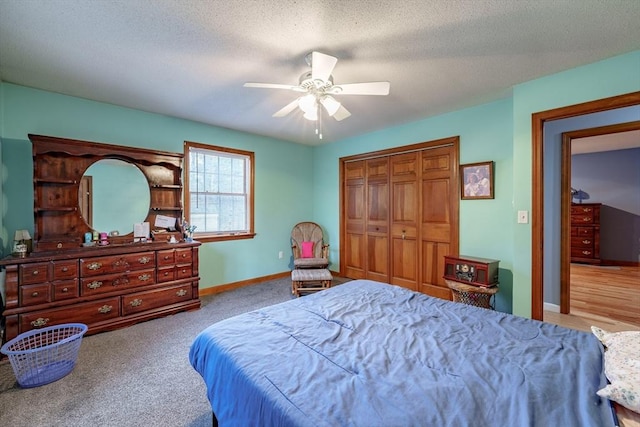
(210, 236)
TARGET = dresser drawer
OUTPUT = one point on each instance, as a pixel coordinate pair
(37, 272)
(582, 253)
(581, 219)
(183, 271)
(166, 274)
(142, 301)
(65, 289)
(582, 210)
(35, 294)
(584, 231)
(118, 281)
(65, 269)
(116, 263)
(87, 313)
(166, 257)
(582, 242)
(184, 256)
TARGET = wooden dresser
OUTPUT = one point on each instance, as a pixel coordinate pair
(83, 189)
(585, 233)
(102, 287)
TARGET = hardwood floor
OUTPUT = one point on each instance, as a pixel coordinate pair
(604, 296)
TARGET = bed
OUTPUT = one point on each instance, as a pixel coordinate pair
(371, 354)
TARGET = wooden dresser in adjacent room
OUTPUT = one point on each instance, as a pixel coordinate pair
(585, 233)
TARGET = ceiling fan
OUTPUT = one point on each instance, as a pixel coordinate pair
(317, 90)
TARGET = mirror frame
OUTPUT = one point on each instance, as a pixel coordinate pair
(58, 167)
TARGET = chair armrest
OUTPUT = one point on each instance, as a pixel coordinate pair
(325, 251)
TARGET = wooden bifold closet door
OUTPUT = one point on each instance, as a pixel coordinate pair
(400, 215)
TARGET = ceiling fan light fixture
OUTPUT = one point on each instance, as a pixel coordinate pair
(311, 115)
(308, 103)
(330, 104)
(319, 90)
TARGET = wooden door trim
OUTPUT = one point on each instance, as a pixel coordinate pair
(537, 193)
(565, 224)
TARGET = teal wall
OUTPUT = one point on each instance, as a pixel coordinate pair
(296, 182)
(499, 131)
(283, 171)
(611, 77)
(485, 134)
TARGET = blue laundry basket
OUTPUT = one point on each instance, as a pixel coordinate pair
(42, 356)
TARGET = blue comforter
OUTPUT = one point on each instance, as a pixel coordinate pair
(369, 354)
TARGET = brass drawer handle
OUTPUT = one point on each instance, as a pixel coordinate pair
(121, 263)
(586, 252)
(94, 266)
(65, 269)
(35, 272)
(586, 218)
(184, 255)
(39, 322)
(181, 293)
(65, 289)
(136, 302)
(144, 260)
(105, 309)
(94, 285)
(586, 242)
(144, 277)
(124, 280)
(586, 209)
(35, 294)
(166, 257)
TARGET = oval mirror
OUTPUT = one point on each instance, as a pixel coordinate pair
(113, 196)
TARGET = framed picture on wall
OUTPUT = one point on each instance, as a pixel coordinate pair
(477, 181)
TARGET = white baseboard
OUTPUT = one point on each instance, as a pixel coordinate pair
(547, 306)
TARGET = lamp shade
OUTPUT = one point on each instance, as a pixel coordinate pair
(330, 104)
(21, 235)
(308, 103)
(311, 115)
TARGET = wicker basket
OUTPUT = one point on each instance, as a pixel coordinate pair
(42, 356)
(476, 296)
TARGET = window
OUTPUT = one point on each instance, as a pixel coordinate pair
(219, 192)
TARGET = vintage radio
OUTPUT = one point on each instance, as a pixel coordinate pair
(471, 270)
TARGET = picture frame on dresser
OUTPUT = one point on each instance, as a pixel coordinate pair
(64, 280)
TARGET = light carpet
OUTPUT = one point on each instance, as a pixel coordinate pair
(136, 376)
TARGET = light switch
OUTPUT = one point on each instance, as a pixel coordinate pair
(523, 217)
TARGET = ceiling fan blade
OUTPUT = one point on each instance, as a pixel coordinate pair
(341, 114)
(274, 86)
(370, 88)
(322, 66)
(286, 109)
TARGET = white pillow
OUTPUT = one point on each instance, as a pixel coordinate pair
(621, 366)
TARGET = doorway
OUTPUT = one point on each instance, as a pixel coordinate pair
(538, 121)
(568, 139)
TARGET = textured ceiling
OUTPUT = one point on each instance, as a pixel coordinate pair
(190, 59)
